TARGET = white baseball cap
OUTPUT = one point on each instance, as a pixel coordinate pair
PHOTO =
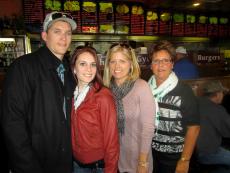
(58, 16)
(214, 86)
(181, 49)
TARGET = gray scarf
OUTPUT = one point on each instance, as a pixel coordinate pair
(120, 93)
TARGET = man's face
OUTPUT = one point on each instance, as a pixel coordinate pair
(58, 38)
(179, 56)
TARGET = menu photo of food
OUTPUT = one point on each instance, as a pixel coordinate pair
(201, 29)
(137, 19)
(106, 28)
(151, 22)
(213, 26)
(89, 17)
(178, 24)
(223, 26)
(71, 6)
(190, 25)
(54, 5)
(106, 17)
(165, 23)
(122, 19)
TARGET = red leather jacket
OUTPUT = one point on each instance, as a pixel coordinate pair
(94, 129)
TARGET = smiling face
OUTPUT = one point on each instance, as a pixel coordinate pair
(162, 66)
(85, 69)
(119, 67)
(58, 38)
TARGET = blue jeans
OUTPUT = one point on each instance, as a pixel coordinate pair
(221, 157)
(78, 169)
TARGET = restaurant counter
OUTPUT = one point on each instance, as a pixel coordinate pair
(197, 84)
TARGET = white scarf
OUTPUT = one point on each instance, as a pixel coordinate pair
(159, 92)
(80, 96)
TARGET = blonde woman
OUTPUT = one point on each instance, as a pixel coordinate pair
(135, 109)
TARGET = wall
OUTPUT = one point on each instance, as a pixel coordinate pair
(10, 7)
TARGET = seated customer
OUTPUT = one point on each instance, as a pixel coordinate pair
(226, 101)
(183, 67)
(214, 125)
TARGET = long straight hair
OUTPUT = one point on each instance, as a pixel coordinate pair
(77, 52)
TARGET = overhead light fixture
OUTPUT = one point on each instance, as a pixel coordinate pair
(6, 39)
(196, 4)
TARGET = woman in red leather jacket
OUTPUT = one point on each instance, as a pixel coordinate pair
(94, 125)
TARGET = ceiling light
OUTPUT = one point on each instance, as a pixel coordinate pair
(6, 39)
(196, 4)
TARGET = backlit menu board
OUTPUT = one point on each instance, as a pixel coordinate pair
(178, 24)
(122, 18)
(190, 25)
(151, 23)
(165, 23)
(72, 7)
(201, 26)
(137, 20)
(33, 15)
(51, 6)
(106, 17)
(224, 28)
(89, 17)
(213, 27)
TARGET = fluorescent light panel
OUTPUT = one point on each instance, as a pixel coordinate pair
(6, 39)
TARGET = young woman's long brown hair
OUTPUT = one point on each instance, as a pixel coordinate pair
(80, 50)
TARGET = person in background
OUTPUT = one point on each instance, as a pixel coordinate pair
(36, 103)
(93, 119)
(214, 125)
(177, 119)
(135, 109)
(226, 101)
(183, 67)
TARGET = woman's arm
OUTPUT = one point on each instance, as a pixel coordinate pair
(147, 118)
(189, 145)
(111, 137)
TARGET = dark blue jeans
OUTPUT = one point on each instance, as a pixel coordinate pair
(221, 157)
(78, 169)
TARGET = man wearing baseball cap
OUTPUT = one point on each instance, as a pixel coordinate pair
(36, 103)
(183, 67)
(214, 125)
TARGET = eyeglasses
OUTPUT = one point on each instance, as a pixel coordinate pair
(163, 61)
(124, 45)
(59, 15)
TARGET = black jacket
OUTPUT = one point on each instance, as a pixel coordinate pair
(37, 133)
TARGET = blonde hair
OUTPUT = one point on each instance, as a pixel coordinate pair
(129, 53)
